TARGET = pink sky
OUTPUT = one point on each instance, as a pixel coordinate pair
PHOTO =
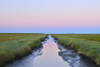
(50, 14)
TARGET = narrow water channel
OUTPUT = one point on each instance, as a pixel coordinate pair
(51, 54)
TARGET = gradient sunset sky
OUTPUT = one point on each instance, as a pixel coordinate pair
(49, 16)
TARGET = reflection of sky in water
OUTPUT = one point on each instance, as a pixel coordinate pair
(50, 57)
(47, 57)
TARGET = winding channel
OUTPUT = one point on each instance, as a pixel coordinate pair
(52, 54)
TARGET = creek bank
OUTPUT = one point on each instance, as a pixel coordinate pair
(25, 50)
(67, 43)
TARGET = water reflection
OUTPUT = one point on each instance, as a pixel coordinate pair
(46, 57)
(51, 54)
(50, 57)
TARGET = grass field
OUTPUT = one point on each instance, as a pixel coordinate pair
(87, 45)
(93, 37)
(16, 45)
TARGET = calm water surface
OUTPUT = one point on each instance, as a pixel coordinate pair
(51, 54)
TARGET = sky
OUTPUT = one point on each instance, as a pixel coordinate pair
(49, 16)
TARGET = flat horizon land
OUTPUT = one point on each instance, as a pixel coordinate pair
(16, 45)
(50, 33)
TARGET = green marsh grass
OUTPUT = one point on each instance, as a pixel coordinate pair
(15, 46)
(87, 45)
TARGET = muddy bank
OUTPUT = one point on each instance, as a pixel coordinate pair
(73, 58)
(73, 53)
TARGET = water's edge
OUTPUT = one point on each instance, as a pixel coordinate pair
(37, 49)
(84, 62)
(52, 54)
